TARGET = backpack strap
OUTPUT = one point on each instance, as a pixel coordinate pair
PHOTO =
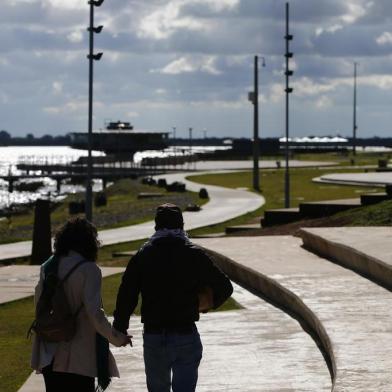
(72, 270)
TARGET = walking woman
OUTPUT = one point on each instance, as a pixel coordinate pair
(72, 364)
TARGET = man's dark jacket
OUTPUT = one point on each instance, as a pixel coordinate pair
(168, 272)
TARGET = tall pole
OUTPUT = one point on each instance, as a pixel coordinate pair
(288, 37)
(355, 127)
(91, 57)
(256, 149)
(190, 141)
(190, 147)
(174, 134)
(89, 187)
(174, 146)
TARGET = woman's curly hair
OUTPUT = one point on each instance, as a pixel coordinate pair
(79, 235)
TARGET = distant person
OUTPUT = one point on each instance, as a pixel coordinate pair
(73, 363)
(176, 280)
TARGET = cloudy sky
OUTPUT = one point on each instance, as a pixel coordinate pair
(188, 63)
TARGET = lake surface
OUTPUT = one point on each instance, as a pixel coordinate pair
(10, 156)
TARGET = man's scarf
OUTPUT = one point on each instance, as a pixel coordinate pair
(169, 233)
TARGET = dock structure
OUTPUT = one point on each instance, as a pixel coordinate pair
(106, 168)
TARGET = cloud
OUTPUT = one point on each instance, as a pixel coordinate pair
(307, 87)
(65, 4)
(385, 38)
(166, 20)
(191, 64)
(324, 102)
(57, 87)
(75, 36)
(187, 61)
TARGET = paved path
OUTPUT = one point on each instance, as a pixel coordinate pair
(19, 281)
(258, 349)
(247, 165)
(374, 242)
(364, 179)
(353, 311)
(365, 250)
(224, 204)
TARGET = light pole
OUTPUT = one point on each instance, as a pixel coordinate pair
(91, 58)
(254, 98)
(288, 37)
(174, 146)
(190, 140)
(355, 127)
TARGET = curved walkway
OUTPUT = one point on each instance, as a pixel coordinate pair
(224, 204)
(350, 314)
(363, 179)
(255, 349)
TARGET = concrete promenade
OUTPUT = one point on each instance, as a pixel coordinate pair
(258, 348)
(19, 281)
(350, 314)
(224, 204)
(364, 179)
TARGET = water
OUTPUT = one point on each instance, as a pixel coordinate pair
(9, 157)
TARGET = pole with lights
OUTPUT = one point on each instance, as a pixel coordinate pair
(288, 55)
(355, 126)
(91, 58)
(254, 98)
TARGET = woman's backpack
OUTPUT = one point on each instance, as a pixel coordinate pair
(54, 319)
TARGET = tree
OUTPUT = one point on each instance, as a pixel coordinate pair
(5, 137)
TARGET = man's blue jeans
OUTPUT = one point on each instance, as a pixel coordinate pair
(172, 360)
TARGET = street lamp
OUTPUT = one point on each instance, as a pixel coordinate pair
(288, 55)
(254, 98)
(91, 57)
(355, 126)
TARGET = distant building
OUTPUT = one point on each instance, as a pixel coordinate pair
(120, 138)
(316, 143)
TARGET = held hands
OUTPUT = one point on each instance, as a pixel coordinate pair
(127, 340)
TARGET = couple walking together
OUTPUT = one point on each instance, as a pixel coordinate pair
(176, 281)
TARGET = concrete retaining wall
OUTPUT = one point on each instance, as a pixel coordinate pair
(281, 297)
(364, 264)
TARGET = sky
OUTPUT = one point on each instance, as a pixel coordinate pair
(189, 63)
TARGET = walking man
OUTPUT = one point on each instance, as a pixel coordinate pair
(176, 280)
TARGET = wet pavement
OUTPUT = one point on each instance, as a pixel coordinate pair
(354, 311)
(373, 242)
(19, 281)
(258, 348)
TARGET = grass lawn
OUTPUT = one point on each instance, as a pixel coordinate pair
(272, 184)
(15, 319)
(123, 209)
(345, 159)
(379, 214)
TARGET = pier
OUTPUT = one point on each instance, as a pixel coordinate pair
(105, 168)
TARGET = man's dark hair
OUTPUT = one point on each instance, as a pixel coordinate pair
(79, 235)
(168, 216)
